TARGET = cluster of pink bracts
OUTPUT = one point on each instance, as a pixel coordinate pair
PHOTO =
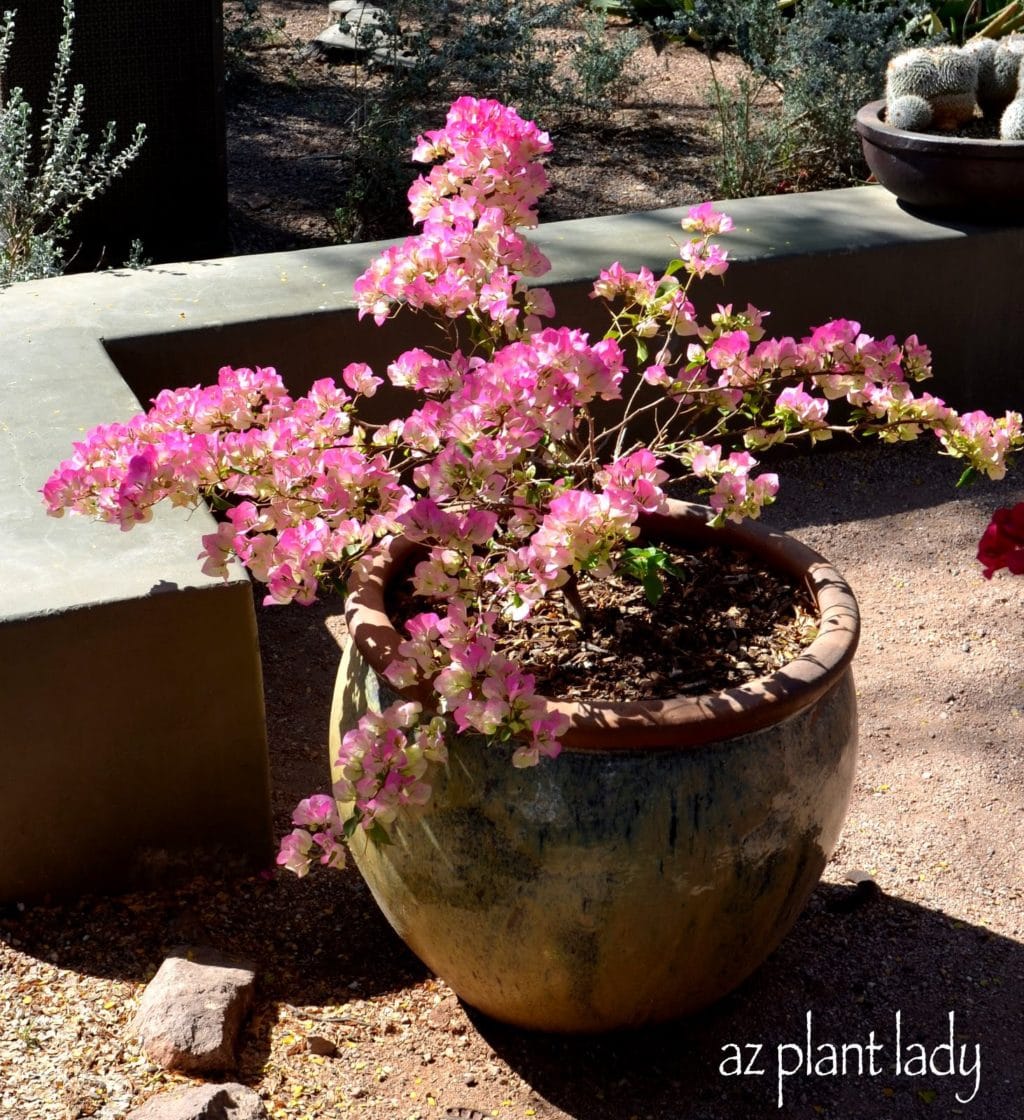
(1002, 543)
(498, 467)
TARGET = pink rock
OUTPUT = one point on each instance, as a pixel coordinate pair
(205, 1102)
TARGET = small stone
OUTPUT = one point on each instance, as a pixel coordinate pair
(865, 884)
(204, 1102)
(192, 1011)
(864, 889)
(469, 1080)
(322, 1047)
(440, 1018)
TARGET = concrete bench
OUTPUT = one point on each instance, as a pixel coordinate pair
(132, 738)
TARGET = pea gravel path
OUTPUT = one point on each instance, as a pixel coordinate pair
(937, 816)
(937, 819)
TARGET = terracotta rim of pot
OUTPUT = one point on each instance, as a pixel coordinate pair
(871, 125)
(681, 721)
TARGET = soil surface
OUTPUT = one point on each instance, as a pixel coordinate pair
(290, 120)
(936, 821)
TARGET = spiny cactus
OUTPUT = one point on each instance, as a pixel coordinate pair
(940, 87)
(983, 51)
(954, 102)
(910, 112)
(945, 77)
(1011, 124)
(958, 69)
(913, 72)
(998, 84)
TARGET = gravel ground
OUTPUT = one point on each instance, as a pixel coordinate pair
(289, 121)
(937, 819)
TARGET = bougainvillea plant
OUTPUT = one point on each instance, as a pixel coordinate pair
(497, 464)
(1002, 543)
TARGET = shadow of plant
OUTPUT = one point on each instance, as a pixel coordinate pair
(851, 968)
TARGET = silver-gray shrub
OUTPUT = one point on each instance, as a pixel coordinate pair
(825, 58)
(46, 179)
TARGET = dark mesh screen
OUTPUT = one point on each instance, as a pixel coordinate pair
(151, 61)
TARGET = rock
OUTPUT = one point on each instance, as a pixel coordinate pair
(323, 1047)
(357, 14)
(340, 8)
(360, 29)
(865, 888)
(204, 1102)
(439, 1018)
(191, 1012)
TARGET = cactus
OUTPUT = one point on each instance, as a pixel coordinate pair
(998, 83)
(909, 112)
(983, 49)
(941, 87)
(1011, 124)
(913, 72)
(946, 77)
(958, 69)
(954, 102)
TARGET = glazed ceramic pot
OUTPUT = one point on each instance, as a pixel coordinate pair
(978, 180)
(655, 863)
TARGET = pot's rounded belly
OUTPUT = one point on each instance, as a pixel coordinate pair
(609, 889)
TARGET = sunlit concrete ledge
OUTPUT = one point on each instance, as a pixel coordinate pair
(132, 738)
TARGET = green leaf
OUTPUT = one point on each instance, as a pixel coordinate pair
(646, 565)
(378, 835)
(969, 475)
(653, 586)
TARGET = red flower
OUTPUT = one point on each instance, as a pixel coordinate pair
(1002, 543)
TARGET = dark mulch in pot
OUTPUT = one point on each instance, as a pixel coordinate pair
(723, 620)
(977, 128)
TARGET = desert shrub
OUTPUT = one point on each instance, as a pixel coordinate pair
(246, 29)
(599, 61)
(44, 182)
(755, 150)
(436, 50)
(825, 59)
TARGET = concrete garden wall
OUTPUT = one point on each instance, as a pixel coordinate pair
(132, 738)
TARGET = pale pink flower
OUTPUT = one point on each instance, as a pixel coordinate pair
(707, 220)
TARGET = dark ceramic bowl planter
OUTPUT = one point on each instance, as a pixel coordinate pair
(658, 861)
(974, 179)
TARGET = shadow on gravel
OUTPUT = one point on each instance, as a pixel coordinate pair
(863, 481)
(845, 973)
(316, 943)
(852, 972)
